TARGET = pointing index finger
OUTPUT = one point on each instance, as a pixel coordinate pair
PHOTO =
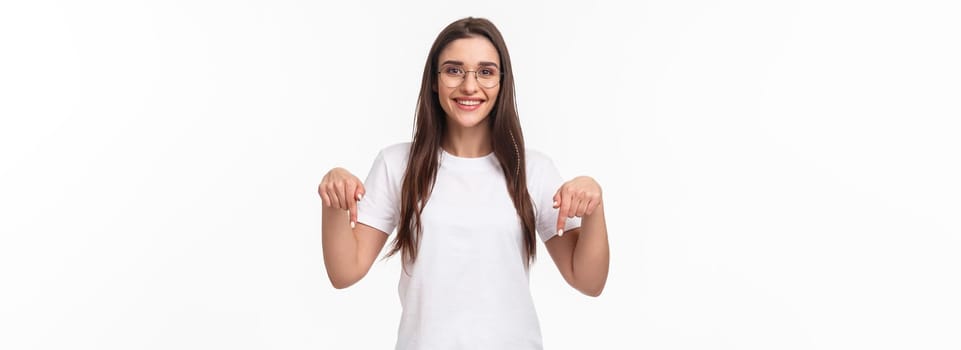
(351, 199)
(565, 207)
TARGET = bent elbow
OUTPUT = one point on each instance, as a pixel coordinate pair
(591, 291)
(588, 288)
(341, 283)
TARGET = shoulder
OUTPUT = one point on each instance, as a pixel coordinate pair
(396, 153)
(537, 160)
(396, 150)
(542, 174)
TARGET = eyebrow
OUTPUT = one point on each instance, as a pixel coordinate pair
(459, 63)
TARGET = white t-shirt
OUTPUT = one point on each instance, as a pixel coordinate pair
(468, 288)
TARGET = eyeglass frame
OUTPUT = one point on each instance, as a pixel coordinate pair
(500, 75)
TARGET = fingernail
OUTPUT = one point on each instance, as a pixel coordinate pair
(351, 224)
(555, 203)
(360, 196)
(560, 232)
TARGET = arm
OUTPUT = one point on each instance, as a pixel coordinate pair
(349, 249)
(582, 255)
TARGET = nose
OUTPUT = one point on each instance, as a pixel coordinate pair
(469, 86)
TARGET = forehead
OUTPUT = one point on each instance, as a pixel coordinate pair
(470, 50)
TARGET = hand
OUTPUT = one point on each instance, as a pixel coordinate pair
(578, 197)
(341, 190)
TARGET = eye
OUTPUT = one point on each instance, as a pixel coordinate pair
(487, 72)
(454, 70)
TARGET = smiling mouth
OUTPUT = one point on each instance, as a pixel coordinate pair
(468, 102)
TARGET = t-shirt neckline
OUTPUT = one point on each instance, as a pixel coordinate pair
(467, 162)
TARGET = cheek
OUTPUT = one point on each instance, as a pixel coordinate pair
(443, 93)
(492, 97)
(443, 97)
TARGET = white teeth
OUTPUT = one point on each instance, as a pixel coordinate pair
(469, 102)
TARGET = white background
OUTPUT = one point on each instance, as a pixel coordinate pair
(777, 175)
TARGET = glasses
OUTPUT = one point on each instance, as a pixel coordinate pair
(453, 75)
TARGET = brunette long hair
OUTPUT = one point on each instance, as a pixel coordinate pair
(430, 126)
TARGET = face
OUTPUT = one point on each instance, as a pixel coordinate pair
(468, 104)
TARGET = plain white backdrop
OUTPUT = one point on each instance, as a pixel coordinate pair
(777, 175)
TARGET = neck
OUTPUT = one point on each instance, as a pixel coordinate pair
(468, 142)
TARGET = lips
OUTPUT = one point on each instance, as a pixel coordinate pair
(468, 104)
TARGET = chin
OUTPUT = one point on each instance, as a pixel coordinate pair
(469, 121)
(466, 119)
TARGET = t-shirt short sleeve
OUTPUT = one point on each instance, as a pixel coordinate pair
(543, 182)
(379, 207)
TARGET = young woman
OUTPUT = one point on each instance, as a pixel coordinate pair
(468, 202)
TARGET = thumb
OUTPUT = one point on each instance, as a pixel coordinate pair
(557, 199)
